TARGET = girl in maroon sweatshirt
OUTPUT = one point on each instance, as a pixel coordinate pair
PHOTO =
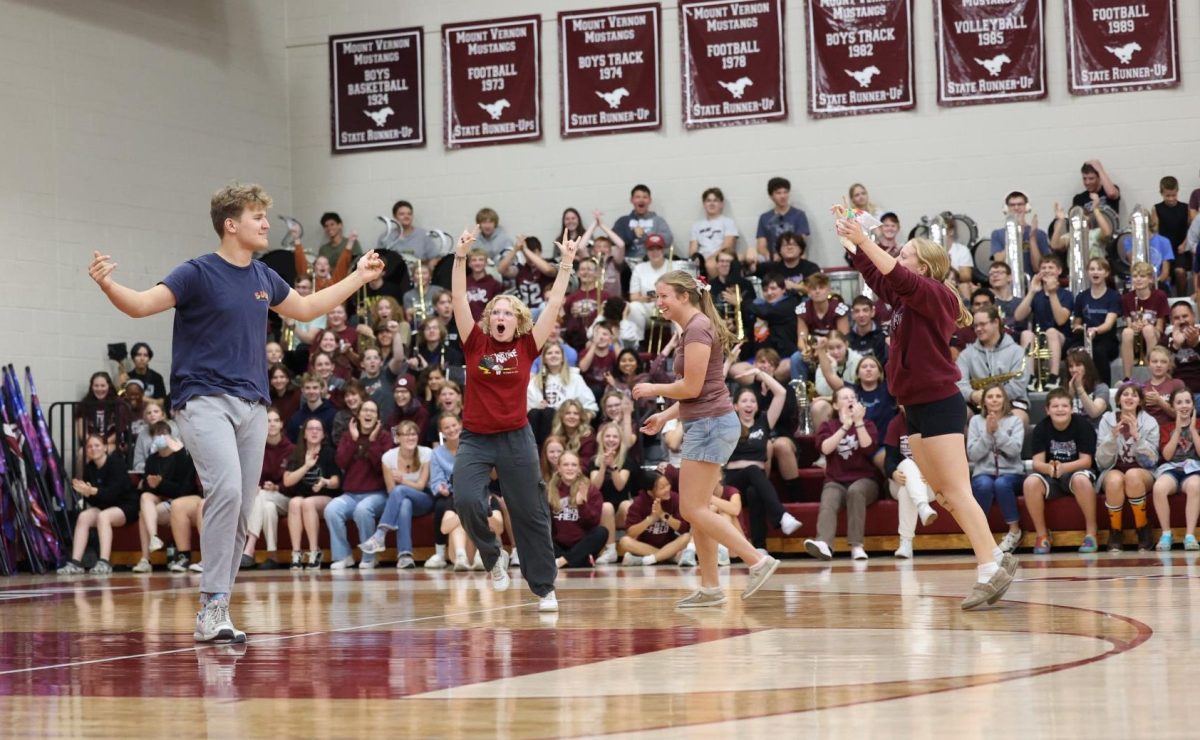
(575, 506)
(922, 376)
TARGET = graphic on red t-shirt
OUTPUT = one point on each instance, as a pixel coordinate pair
(499, 363)
(497, 381)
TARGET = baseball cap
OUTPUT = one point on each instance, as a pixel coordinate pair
(655, 241)
(890, 214)
(406, 381)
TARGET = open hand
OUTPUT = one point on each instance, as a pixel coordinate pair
(653, 425)
(101, 270)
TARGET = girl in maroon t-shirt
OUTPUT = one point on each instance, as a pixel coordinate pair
(499, 352)
(654, 529)
(575, 506)
(922, 377)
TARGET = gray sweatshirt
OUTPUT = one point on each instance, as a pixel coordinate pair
(996, 454)
(1113, 448)
(977, 361)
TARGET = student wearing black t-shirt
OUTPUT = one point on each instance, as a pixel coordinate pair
(311, 480)
(792, 265)
(1095, 317)
(1172, 216)
(1097, 181)
(747, 466)
(1064, 445)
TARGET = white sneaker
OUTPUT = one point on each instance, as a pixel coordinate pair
(500, 579)
(156, 543)
(631, 559)
(436, 562)
(343, 564)
(477, 564)
(687, 558)
(548, 603)
(461, 563)
(143, 566)
(196, 567)
(1011, 541)
(367, 563)
(857, 552)
(820, 462)
(927, 514)
(608, 556)
(722, 556)
(213, 624)
(905, 551)
(762, 551)
(513, 560)
(818, 549)
(789, 524)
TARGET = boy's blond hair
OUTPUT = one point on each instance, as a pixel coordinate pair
(231, 200)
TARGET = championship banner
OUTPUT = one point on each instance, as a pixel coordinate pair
(860, 57)
(609, 70)
(493, 81)
(733, 62)
(1120, 46)
(989, 52)
(377, 97)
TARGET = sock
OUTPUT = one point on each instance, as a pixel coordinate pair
(205, 598)
(984, 573)
(1139, 511)
(610, 547)
(1114, 515)
(649, 560)
(997, 554)
(461, 553)
(440, 550)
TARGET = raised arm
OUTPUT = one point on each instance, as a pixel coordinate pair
(545, 324)
(135, 303)
(463, 318)
(307, 308)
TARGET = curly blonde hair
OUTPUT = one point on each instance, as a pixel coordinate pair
(524, 317)
(231, 200)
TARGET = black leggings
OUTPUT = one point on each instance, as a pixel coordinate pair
(760, 497)
(441, 504)
(580, 554)
(540, 421)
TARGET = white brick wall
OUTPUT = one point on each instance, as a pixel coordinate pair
(118, 120)
(916, 163)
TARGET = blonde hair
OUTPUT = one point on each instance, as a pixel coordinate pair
(572, 439)
(871, 207)
(408, 426)
(937, 262)
(622, 448)
(1160, 349)
(524, 317)
(564, 372)
(578, 491)
(683, 283)
(1142, 269)
(231, 200)
(397, 311)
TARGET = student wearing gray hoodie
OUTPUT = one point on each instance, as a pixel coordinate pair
(994, 353)
(994, 439)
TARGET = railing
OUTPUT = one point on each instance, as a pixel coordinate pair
(66, 422)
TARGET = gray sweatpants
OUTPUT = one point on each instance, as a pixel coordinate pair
(227, 438)
(515, 457)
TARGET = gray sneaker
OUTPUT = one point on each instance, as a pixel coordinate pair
(1010, 564)
(71, 568)
(101, 568)
(698, 600)
(213, 624)
(990, 592)
(687, 559)
(759, 577)
(143, 566)
(405, 561)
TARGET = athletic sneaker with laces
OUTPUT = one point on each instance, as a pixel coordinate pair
(631, 559)
(1042, 545)
(297, 560)
(196, 567)
(180, 563)
(1011, 541)
(214, 625)
(1190, 543)
(1089, 544)
(156, 543)
(1145, 538)
(818, 549)
(1116, 540)
(905, 551)
(405, 560)
(1009, 564)
(608, 556)
(461, 563)
(1165, 542)
(71, 568)
(788, 524)
(372, 544)
(313, 560)
(857, 552)
(548, 603)
(367, 563)
(759, 576)
(437, 561)
(699, 599)
(500, 579)
(101, 568)
(143, 566)
(687, 558)
(343, 564)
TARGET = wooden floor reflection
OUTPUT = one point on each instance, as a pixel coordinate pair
(844, 650)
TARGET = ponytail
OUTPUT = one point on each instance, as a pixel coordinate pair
(725, 337)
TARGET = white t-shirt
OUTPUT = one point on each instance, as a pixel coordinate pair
(674, 457)
(645, 275)
(710, 235)
(392, 456)
(960, 256)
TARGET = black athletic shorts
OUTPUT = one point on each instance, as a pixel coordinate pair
(933, 419)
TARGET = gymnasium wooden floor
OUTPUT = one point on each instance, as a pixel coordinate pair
(1086, 647)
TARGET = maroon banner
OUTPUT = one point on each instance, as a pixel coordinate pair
(493, 78)
(1119, 46)
(609, 70)
(860, 57)
(989, 52)
(377, 97)
(733, 62)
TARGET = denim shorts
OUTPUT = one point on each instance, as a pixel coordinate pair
(711, 439)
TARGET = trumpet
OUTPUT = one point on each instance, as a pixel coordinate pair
(805, 391)
(1039, 350)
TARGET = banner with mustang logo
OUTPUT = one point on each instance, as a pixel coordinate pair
(989, 51)
(1121, 46)
(493, 78)
(376, 90)
(860, 57)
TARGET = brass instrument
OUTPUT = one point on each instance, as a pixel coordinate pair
(294, 231)
(419, 312)
(1087, 340)
(1039, 351)
(1140, 355)
(737, 310)
(1013, 242)
(978, 384)
(391, 235)
(1139, 233)
(1077, 251)
(287, 336)
(599, 281)
(805, 391)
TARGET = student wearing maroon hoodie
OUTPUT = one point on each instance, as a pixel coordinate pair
(848, 442)
(575, 507)
(922, 377)
(654, 531)
(364, 494)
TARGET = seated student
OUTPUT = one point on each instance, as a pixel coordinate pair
(1180, 470)
(1145, 310)
(1160, 252)
(187, 513)
(408, 406)
(314, 405)
(553, 384)
(821, 312)
(775, 321)
(528, 271)
(866, 337)
(344, 360)
(433, 348)
(100, 413)
(848, 442)
(109, 502)
(353, 396)
(271, 502)
(1064, 446)
(716, 232)
(1095, 317)
(133, 394)
(406, 472)
(993, 354)
(836, 367)
(285, 396)
(466, 556)
(575, 509)
(152, 382)
(170, 474)
(345, 351)
(581, 308)
(311, 477)
(493, 240)
(907, 485)
(873, 394)
(783, 218)
(598, 359)
(654, 529)
(615, 474)
(412, 302)
(377, 379)
(364, 494)
(995, 437)
(1159, 387)
(1048, 307)
(792, 266)
(782, 446)
(449, 401)
(1017, 204)
(1099, 229)
(746, 469)
(572, 422)
(1126, 450)
(1000, 282)
(481, 286)
(1089, 397)
(152, 412)
(441, 485)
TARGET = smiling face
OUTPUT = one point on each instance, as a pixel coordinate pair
(435, 380)
(993, 400)
(402, 395)
(323, 366)
(314, 433)
(1059, 410)
(570, 220)
(862, 315)
(640, 201)
(251, 229)
(568, 467)
(747, 404)
(908, 258)
(889, 229)
(1129, 400)
(450, 427)
(336, 318)
(571, 417)
(368, 415)
(612, 407)
(311, 393)
(134, 394)
(274, 353)
(610, 439)
(671, 303)
(554, 451)
(1182, 317)
(1182, 403)
(662, 488)
(406, 436)
(274, 424)
(627, 363)
(328, 342)
(353, 401)
(95, 450)
(503, 321)
(477, 263)
(552, 358)
(987, 330)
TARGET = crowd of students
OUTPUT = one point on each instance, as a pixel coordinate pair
(368, 428)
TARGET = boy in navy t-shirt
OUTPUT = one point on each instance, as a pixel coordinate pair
(219, 373)
(1050, 306)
